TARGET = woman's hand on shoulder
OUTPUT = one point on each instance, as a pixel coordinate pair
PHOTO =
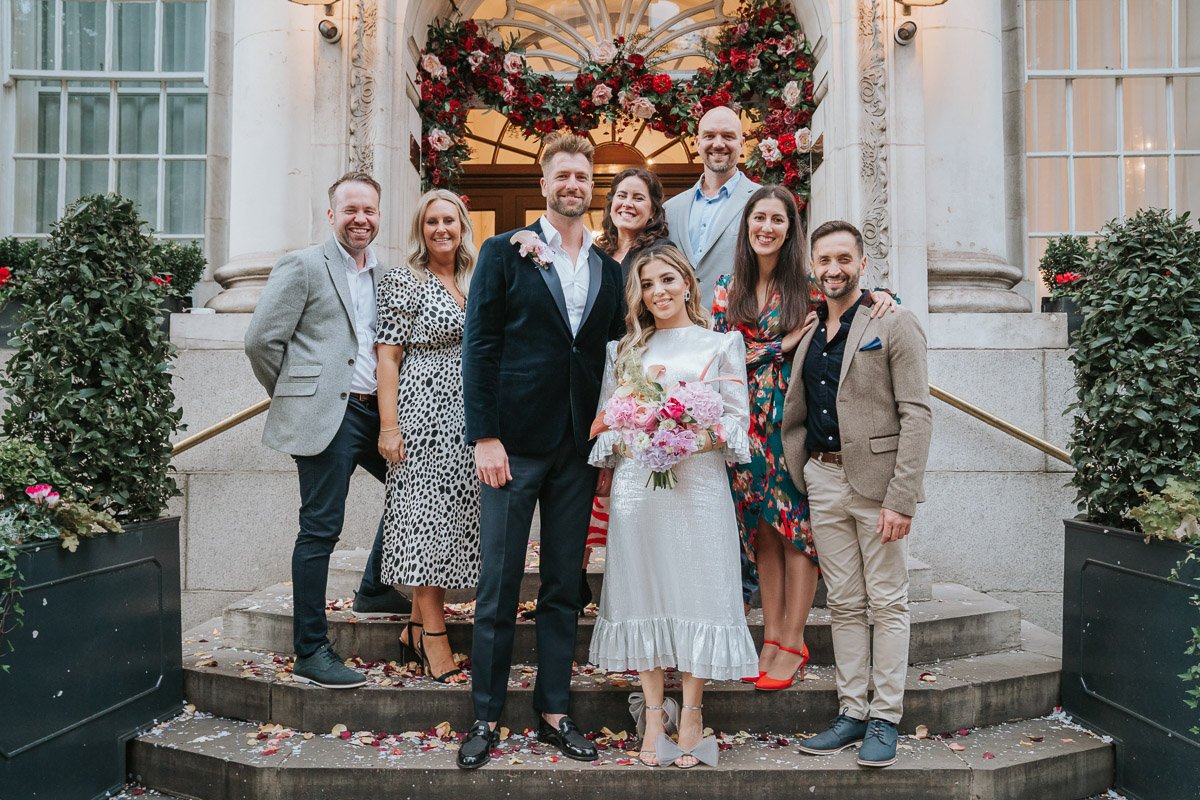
(792, 339)
(885, 303)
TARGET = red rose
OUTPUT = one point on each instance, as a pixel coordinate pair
(470, 27)
(583, 81)
(450, 54)
(662, 83)
(437, 179)
(516, 118)
(466, 200)
(544, 125)
(787, 143)
(537, 101)
(495, 83)
(637, 60)
(740, 61)
(5, 275)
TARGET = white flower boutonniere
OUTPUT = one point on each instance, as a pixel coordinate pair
(528, 244)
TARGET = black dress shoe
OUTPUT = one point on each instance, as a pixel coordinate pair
(476, 748)
(568, 738)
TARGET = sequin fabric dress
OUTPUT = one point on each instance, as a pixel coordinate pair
(763, 489)
(672, 586)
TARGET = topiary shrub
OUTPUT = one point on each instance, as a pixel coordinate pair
(1064, 263)
(1137, 365)
(90, 380)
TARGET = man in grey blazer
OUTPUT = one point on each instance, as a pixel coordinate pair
(704, 219)
(311, 344)
(856, 428)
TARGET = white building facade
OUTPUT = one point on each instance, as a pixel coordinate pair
(959, 153)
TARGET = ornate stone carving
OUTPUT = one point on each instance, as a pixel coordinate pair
(362, 86)
(872, 92)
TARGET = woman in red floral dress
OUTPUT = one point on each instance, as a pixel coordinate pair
(767, 300)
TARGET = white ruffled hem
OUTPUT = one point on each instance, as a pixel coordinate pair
(602, 454)
(706, 650)
(737, 444)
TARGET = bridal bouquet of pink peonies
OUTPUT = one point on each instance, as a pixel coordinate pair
(660, 426)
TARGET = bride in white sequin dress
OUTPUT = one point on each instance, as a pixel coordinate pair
(672, 588)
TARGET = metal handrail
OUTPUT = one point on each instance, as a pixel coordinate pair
(962, 405)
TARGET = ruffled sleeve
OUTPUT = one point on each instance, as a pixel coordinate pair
(602, 454)
(736, 417)
(396, 300)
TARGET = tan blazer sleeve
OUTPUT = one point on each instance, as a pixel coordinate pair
(910, 383)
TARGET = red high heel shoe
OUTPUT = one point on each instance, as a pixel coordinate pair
(754, 678)
(769, 684)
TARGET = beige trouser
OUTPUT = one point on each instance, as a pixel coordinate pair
(860, 573)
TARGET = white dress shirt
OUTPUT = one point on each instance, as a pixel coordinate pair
(574, 275)
(362, 301)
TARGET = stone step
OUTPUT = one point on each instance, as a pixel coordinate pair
(346, 568)
(953, 694)
(217, 759)
(956, 622)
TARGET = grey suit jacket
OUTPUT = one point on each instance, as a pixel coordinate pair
(302, 348)
(882, 406)
(718, 259)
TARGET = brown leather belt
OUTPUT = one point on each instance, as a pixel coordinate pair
(365, 399)
(828, 458)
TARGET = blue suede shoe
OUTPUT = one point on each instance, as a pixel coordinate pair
(879, 745)
(843, 732)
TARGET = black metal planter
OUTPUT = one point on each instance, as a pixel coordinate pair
(97, 660)
(1126, 623)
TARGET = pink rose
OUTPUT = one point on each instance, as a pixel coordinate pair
(642, 108)
(804, 140)
(769, 149)
(440, 140)
(787, 45)
(508, 92)
(791, 94)
(673, 409)
(476, 58)
(513, 63)
(741, 29)
(602, 94)
(604, 52)
(754, 66)
(431, 64)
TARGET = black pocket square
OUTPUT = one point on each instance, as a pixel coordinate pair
(874, 344)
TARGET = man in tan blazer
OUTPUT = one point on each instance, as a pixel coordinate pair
(856, 430)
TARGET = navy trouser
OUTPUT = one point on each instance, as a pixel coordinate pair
(563, 484)
(324, 483)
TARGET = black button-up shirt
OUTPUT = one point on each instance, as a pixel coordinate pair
(822, 372)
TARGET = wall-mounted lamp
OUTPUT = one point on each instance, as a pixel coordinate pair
(907, 4)
(328, 27)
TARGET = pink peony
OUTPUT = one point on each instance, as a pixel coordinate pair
(787, 45)
(642, 108)
(476, 58)
(619, 412)
(602, 94)
(769, 149)
(791, 94)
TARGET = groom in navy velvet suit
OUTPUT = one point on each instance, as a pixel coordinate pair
(543, 305)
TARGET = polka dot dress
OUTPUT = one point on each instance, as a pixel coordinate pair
(431, 519)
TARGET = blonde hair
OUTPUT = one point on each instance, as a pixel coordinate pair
(571, 143)
(639, 321)
(418, 253)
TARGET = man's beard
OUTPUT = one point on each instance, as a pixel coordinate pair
(559, 207)
(849, 286)
(728, 166)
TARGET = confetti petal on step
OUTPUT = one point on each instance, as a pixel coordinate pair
(963, 732)
(922, 732)
(929, 677)
(955, 746)
(1067, 741)
(270, 751)
(504, 733)
(308, 735)
(442, 729)
(1034, 738)
(338, 729)
(989, 756)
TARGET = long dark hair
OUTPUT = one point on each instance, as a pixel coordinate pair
(656, 227)
(791, 272)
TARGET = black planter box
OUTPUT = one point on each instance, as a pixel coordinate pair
(1065, 305)
(97, 660)
(1126, 623)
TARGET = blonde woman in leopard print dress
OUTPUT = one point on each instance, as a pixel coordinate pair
(431, 519)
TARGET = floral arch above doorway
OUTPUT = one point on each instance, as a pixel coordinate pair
(643, 63)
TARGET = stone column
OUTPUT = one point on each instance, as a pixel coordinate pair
(271, 155)
(966, 193)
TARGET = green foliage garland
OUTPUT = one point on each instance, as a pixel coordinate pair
(90, 380)
(1137, 365)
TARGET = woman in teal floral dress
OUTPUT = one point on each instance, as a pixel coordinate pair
(767, 300)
